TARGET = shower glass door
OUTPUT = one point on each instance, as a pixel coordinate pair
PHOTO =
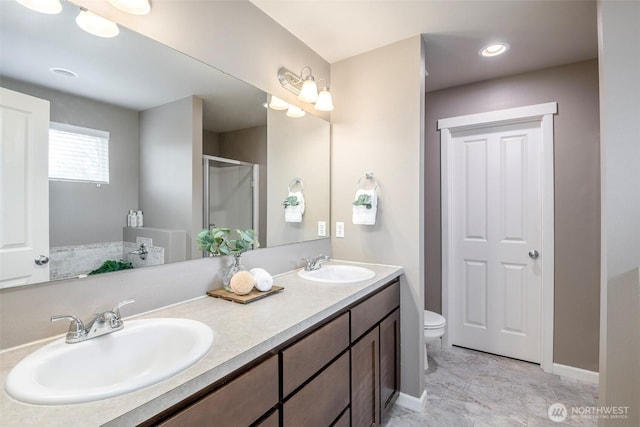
(230, 193)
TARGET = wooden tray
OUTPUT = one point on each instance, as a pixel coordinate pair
(254, 295)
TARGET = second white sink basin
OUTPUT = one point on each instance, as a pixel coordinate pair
(145, 352)
(338, 274)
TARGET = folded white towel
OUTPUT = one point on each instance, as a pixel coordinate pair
(264, 280)
(294, 213)
(362, 214)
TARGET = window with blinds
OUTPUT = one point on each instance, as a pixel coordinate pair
(78, 154)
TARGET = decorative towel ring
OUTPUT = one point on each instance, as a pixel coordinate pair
(367, 178)
(295, 181)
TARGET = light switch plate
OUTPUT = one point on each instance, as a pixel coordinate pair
(339, 229)
(322, 229)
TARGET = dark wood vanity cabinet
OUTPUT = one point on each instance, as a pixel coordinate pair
(343, 372)
(240, 402)
(375, 356)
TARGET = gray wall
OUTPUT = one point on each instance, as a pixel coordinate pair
(81, 213)
(379, 128)
(171, 168)
(577, 192)
(619, 54)
(298, 147)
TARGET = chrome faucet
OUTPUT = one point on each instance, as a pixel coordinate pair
(314, 263)
(101, 324)
(141, 251)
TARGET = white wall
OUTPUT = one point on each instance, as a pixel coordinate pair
(619, 59)
(378, 128)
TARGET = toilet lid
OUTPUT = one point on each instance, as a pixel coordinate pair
(433, 320)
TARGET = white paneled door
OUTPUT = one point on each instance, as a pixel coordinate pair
(496, 221)
(24, 189)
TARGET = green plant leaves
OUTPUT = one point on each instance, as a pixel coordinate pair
(363, 200)
(217, 241)
(112, 265)
(291, 201)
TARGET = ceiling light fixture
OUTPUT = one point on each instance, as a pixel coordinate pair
(50, 7)
(134, 7)
(96, 24)
(306, 88)
(494, 49)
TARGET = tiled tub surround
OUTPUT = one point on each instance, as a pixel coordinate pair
(73, 261)
(241, 334)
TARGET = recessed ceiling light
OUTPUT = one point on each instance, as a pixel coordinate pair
(63, 72)
(494, 49)
(134, 7)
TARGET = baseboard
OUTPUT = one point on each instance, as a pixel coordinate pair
(576, 373)
(415, 404)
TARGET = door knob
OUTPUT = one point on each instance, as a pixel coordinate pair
(533, 254)
(41, 260)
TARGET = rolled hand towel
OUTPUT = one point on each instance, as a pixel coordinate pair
(242, 282)
(263, 280)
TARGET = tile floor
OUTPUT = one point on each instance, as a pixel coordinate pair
(470, 388)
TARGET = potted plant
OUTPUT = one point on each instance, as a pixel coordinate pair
(217, 242)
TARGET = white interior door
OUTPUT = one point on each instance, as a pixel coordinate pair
(24, 189)
(496, 221)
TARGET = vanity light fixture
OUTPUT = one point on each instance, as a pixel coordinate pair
(295, 112)
(304, 85)
(96, 24)
(494, 49)
(134, 7)
(50, 7)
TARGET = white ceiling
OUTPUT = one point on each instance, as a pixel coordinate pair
(541, 33)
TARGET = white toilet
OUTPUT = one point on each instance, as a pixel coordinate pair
(434, 325)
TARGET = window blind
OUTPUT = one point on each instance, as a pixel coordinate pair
(78, 154)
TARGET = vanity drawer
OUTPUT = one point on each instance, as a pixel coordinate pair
(366, 314)
(321, 401)
(238, 403)
(307, 356)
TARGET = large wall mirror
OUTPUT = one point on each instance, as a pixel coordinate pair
(188, 145)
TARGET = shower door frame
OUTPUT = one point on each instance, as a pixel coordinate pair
(255, 185)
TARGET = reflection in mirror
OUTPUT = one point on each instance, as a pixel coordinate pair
(163, 112)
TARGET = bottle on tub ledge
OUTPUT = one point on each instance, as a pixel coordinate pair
(139, 218)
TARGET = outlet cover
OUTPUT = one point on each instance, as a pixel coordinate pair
(322, 229)
(339, 229)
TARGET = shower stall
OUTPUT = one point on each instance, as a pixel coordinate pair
(230, 193)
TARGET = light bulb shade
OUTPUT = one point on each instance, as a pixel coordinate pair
(295, 112)
(50, 7)
(309, 90)
(97, 25)
(134, 7)
(278, 104)
(325, 101)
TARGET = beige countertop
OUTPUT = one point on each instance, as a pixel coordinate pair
(242, 333)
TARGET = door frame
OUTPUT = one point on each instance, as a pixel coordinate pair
(542, 113)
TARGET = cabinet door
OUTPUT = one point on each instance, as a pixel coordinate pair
(237, 404)
(389, 360)
(365, 380)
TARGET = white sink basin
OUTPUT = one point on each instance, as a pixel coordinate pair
(338, 274)
(145, 352)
